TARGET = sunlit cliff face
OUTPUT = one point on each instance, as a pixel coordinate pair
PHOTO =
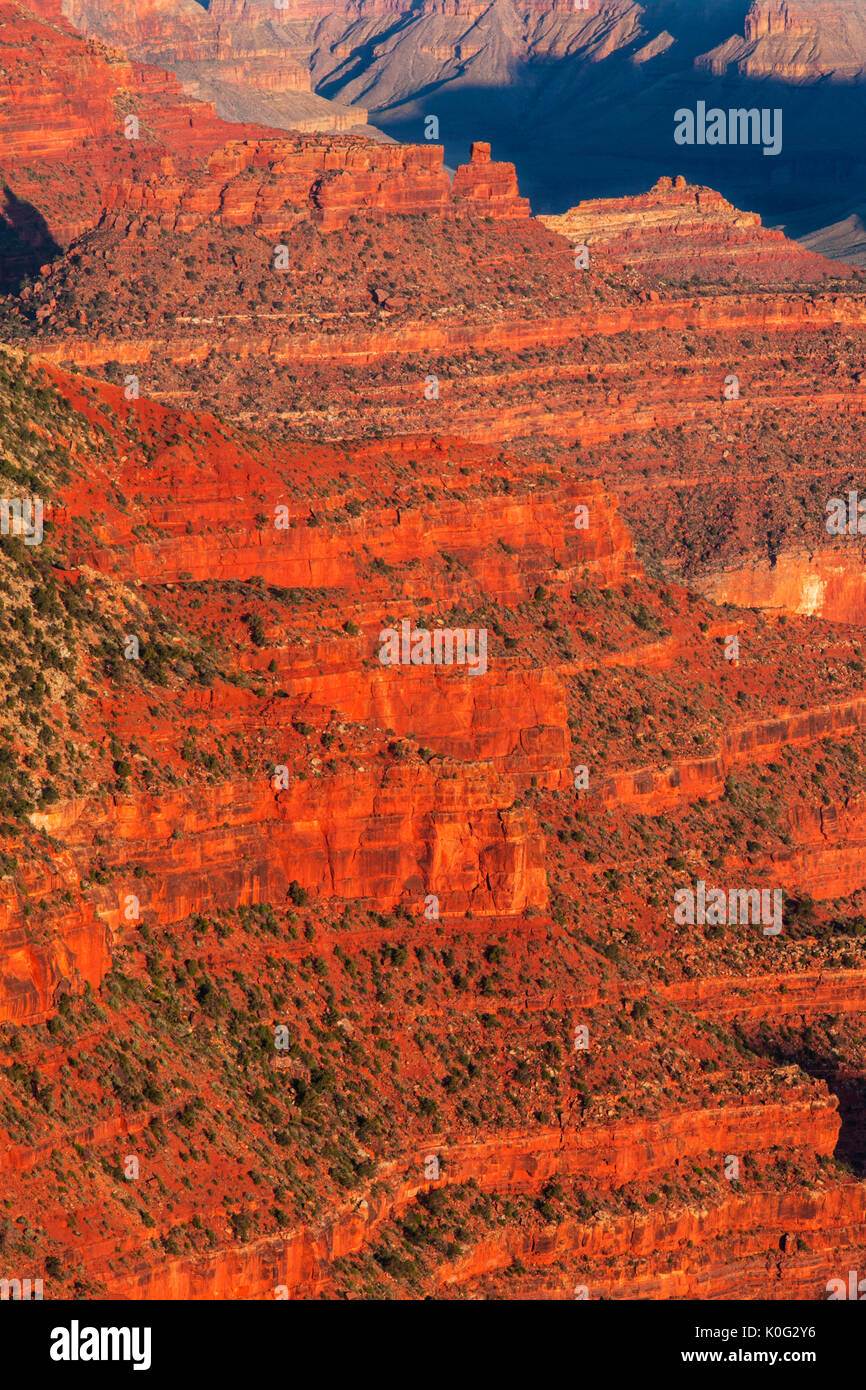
(323, 974)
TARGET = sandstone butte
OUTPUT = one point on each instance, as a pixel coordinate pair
(222, 816)
(797, 40)
(64, 151)
(593, 78)
(680, 232)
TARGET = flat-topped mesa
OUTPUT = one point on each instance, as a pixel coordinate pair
(273, 184)
(674, 195)
(678, 230)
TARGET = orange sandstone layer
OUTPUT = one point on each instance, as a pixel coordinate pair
(301, 1263)
(677, 231)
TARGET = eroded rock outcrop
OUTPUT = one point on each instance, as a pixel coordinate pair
(373, 967)
(679, 232)
(426, 866)
(796, 40)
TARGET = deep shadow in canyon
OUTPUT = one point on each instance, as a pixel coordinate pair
(579, 132)
(26, 242)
